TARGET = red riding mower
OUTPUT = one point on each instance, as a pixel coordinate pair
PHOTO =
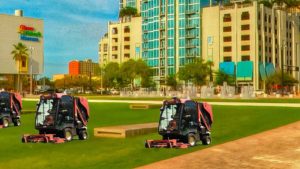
(58, 118)
(182, 124)
(10, 109)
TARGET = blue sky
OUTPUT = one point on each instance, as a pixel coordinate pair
(72, 27)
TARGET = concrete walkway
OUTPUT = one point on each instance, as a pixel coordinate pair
(212, 103)
(275, 149)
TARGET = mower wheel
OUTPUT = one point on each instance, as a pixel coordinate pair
(191, 139)
(68, 134)
(83, 135)
(17, 122)
(5, 122)
(147, 145)
(206, 140)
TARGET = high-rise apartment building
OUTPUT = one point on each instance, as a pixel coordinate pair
(171, 34)
(123, 39)
(130, 3)
(251, 41)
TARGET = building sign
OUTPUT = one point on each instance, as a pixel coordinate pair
(29, 33)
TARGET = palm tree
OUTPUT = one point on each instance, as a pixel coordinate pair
(19, 53)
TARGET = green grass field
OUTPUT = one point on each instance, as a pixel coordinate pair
(230, 123)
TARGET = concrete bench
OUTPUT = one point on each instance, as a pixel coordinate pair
(125, 131)
(139, 106)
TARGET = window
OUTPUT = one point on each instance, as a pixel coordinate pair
(126, 29)
(126, 47)
(227, 49)
(227, 59)
(114, 48)
(245, 48)
(227, 29)
(127, 39)
(227, 18)
(245, 27)
(105, 47)
(245, 16)
(227, 39)
(115, 39)
(246, 58)
(114, 31)
(23, 63)
(115, 56)
(127, 56)
(245, 37)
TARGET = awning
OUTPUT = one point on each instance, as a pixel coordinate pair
(270, 69)
(244, 71)
(227, 67)
(262, 71)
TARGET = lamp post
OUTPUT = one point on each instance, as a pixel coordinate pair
(283, 46)
(31, 49)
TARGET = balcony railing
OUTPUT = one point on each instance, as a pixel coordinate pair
(191, 11)
(190, 45)
(191, 26)
(191, 36)
(191, 55)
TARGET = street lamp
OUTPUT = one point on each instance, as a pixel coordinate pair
(31, 49)
(283, 46)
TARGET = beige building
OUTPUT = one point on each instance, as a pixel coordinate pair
(250, 41)
(16, 29)
(29, 31)
(123, 40)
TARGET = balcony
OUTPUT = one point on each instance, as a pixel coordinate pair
(162, 27)
(191, 36)
(145, 1)
(190, 45)
(191, 26)
(191, 11)
(145, 31)
(191, 55)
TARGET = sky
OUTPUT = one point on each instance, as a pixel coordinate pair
(72, 28)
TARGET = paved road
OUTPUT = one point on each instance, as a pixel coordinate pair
(277, 149)
(212, 103)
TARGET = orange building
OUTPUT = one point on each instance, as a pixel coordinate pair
(86, 67)
(74, 67)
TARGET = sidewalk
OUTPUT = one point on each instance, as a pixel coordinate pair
(277, 149)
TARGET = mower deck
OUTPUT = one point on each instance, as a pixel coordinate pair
(42, 138)
(165, 144)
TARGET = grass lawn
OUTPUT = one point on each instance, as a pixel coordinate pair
(230, 123)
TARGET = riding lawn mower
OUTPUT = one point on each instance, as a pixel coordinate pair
(183, 123)
(10, 109)
(60, 117)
